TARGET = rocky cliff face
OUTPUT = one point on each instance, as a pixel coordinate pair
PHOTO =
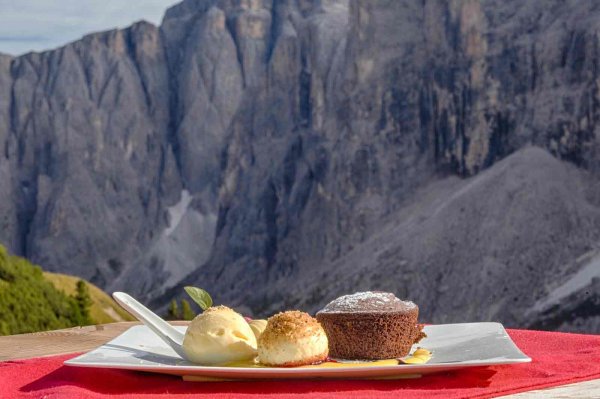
(87, 146)
(283, 152)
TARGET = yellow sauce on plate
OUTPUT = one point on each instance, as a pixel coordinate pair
(419, 356)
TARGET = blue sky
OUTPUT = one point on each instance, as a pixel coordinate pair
(38, 25)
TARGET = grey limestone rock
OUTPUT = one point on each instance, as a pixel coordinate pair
(282, 152)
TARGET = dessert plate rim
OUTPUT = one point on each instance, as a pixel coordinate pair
(122, 353)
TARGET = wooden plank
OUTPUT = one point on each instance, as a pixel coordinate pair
(58, 342)
(580, 390)
(83, 339)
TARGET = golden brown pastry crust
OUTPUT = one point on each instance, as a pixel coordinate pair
(292, 324)
(289, 327)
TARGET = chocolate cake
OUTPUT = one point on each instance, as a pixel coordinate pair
(370, 325)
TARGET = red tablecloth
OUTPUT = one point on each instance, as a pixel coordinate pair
(557, 359)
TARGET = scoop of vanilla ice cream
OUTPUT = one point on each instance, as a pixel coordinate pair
(217, 336)
(258, 326)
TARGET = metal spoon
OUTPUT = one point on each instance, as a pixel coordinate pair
(164, 330)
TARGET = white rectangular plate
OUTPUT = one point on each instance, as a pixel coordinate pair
(453, 346)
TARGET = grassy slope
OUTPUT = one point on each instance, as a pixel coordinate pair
(104, 308)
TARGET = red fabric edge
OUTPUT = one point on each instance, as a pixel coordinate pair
(496, 391)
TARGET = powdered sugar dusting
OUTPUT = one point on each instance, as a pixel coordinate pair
(368, 301)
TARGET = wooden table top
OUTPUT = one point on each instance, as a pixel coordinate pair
(83, 339)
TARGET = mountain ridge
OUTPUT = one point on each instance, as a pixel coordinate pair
(295, 127)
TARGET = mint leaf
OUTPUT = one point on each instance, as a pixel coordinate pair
(201, 297)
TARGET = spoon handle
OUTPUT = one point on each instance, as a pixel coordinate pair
(164, 330)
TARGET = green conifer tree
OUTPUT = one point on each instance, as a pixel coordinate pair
(186, 310)
(84, 302)
(29, 303)
(174, 313)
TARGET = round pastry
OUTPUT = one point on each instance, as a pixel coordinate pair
(370, 325)
(292, 338)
